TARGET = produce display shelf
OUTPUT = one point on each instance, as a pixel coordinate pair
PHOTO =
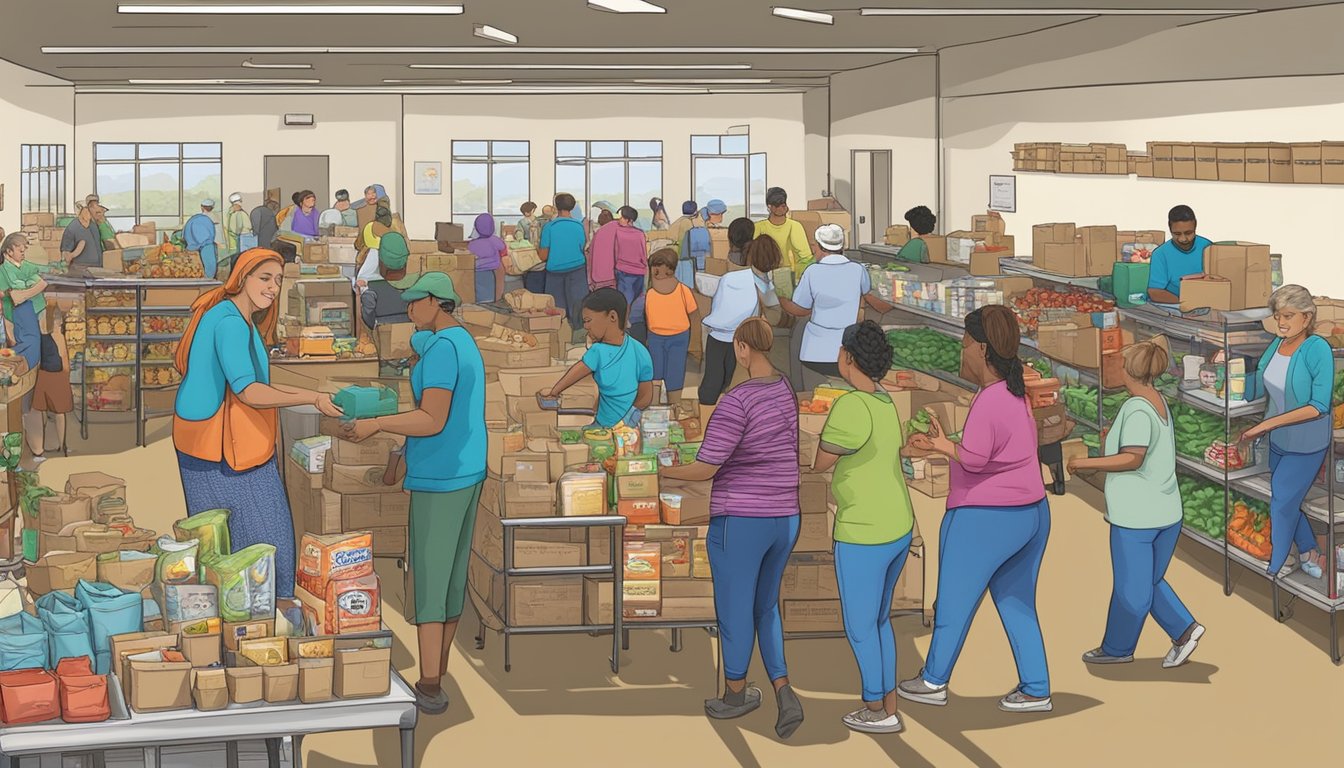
(1206, 330)
(1091, 374)
(953, 379)
(159, 363)
(1026, 269)
(1217, 406)
(115, 364)
(1317, 505)
(945, 323)
(1217, 475)
(1295, 582)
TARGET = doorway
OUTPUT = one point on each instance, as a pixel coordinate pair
(293, 173)
(870, 194)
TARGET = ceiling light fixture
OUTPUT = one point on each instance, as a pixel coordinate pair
(315, 9)
(249, 50)
(1052, 11)
(487, 32)
(249, 64)
(224, 81)
(485, 82)
(582, 67)
(816, 17)
(625, 6)
(722, 81)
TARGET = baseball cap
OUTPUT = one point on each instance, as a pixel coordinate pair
(435, 284)
(716, 207)
(92, 200)
(393, 251)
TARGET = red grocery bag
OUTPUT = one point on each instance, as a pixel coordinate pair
(84, 699)
(29, 696)
(78, 666)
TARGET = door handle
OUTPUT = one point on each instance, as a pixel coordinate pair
(863, 219)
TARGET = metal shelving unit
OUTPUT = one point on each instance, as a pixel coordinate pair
(138, 286)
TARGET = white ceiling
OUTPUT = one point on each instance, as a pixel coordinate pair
(696, 40)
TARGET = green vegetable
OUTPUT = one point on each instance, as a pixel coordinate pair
(921, 422)
(922, 349)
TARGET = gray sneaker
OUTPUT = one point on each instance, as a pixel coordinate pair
(722, 710)
(1017, 701)
(918, 690)
(431, 705)
(1179, 654)
(873, 721)
(1098, 656)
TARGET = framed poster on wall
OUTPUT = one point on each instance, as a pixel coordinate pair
(1003, 194)
(428, 178)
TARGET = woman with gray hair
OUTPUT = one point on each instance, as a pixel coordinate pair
(1297, 375)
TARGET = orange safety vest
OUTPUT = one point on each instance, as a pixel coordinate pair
(237, 434)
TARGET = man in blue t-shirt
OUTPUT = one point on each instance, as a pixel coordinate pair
(1180, 257)
(561, 247)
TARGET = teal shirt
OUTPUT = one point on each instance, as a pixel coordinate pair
(565, 239)
(618, 372)
(455, 458)
(1311, 378)
(214, 362)
(1146, 498)
(1169, 264)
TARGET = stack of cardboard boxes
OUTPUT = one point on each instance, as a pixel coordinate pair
(82, 533)
(338, 486)
(1237, 276)
(44, 237)
(1314, 162)
(1064, 249)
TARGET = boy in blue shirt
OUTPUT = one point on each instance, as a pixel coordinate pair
(620, 365)
(1180, 257)
(561, 247)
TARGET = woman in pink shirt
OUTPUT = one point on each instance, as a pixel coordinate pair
(993, 536)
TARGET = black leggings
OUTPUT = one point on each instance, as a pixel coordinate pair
(717, 371)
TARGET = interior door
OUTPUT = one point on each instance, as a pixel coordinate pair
(881, 195)
(292, 173)
(862, 209)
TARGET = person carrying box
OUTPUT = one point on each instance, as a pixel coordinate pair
(620, 365)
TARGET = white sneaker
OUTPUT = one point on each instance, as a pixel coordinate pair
(1179, 654)
(869, 721)
(1017, 701)
(920, 691)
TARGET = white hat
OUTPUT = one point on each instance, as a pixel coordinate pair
(207, 203)
(236, 197)
(831, 237)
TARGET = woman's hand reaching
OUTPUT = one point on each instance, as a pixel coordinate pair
(939, 442)
(326, 407)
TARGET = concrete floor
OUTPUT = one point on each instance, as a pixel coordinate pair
(1251, 682)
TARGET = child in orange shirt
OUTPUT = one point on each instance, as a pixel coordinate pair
(668, 306)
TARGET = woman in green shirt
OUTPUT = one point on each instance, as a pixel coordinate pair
(874, 520)
(922, 222)
(1143, 506)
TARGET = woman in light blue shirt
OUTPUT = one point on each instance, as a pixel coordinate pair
(1297, 375)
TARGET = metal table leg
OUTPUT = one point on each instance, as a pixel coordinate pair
(676, 640)
(230, 754)
(296, 743)
(273, 753)
(407, 748)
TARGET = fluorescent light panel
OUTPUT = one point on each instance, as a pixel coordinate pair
(224, 81)
(463, 50)
(294, 10)
(625, 6)
(249, 64)
(488, 32)
(722, 81)
(1052, 11)
(816, 17)
(583, 67)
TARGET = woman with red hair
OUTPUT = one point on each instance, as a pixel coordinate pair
(224, 422)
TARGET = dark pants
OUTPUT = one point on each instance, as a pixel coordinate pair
(535, 281)
(717, 371)
(569, 289)
(669, 358)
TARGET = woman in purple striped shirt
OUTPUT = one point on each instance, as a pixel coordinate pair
(750, 451)
(993, 535)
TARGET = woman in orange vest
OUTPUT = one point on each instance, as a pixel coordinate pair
(224, 423)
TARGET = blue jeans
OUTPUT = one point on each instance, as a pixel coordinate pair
(747, 556)
(569, 290)
(1290, 478)
(485, 287)
(669, 359)
(867, 574)
(1139, 560)
(686, 273)
(630, 286)
(999, 549)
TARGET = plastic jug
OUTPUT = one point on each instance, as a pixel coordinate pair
(1129, 283)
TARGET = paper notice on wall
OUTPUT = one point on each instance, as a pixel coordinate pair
(1003, 194)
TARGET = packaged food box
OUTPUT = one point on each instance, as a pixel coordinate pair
(245, 684)
(246, 582)
(358, 402)
(237, 632)
(185, 603)
(337, 556)
(210, 528)
(210, 689)
(354, 605)
(178, 561)
(280, 683)
(362, 673)
(643, 561)
(263, 652)
(583, 494)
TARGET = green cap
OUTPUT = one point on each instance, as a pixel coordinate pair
(393, 251)
(435, 284)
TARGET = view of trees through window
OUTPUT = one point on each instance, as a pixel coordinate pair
(615, 172)
(489, 177)
(42, 178)
(159, 183)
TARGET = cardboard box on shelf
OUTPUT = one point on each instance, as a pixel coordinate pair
(524, 500)
(203, 650)
(598, 600)
(1206, 162)
(55, 513)
(1307, 162)
(389, 541)
(1332, 162)
(1206, 293)
(373, 451)
(132, 575)
(691, 505)
(1161, 152)
(641, 599)
(1046, 234)
(986, 263)
(159, 686)
(280, 683)
(545, 600)
(812, 616)
(209, 689)
(107, 494)
(245, 684)
(394, 340)
(1102, 249)
(346, 479)
(810, 576)
(1183, 165)
(814, 532)
(1068, 259)
(932, 478)
(362, 673)
(316, 680)
(61, 571)
(1247, 267)
(1231, 162)
(374, 510)
(897, 235)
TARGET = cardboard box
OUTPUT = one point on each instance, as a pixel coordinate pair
(532, 467)
(815, 532)
(235, 632)
(38, 220)
(1063, 259)
(812, 616)
(1208, 292)
(107, 494)
(1332, 162)
(1161, 153)
(375, 510)
(210, 689)
(1307, 163)
(245, 684)
(598, 600)
(1247, 267)
(323, 516)
(1281, 169)
(362, 673)
(545, 600)
(1183, 165)
(54, 513)
(394, 341)
(130, 575)
(316, 680)
(986, 263)
(203, 650)
(810, 577)
(527, 500)
(389, 541)
(898, 235)
(936, 245)
(61, 571)
(448, 232)
(314, 253)
(498, 357)
(1206, 162)
(933, 480)
(1102, 249)
(1231, 162)
(637, 487)
(280, 683)
(343, 478)
(1045, 234)
(159, 686)
(694, 506)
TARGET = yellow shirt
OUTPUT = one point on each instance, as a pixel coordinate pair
(792, 241)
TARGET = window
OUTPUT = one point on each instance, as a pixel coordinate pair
(723, 167)
(489, 177)
(159, 183)
(617, 172)
(42, 177)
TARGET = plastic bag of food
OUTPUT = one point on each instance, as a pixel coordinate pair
(246, 582)
(210, 528)
(178, 561)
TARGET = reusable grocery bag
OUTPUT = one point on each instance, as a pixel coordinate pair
(246, 582)
(29, 696)
(177, 561)
(67, 625)
(23, 642)
(112, 611)
(83, 695)
(210, 528)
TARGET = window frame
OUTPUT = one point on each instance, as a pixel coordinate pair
(489, 160)
(136, 161)
(36, 174)
(625, 159)
(746, 159)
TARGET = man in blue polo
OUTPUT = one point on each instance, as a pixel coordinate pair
(561, 247)
(1180, 257)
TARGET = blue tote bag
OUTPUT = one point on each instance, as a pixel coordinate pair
(111, 611)
(67, 625)
(23, 642)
